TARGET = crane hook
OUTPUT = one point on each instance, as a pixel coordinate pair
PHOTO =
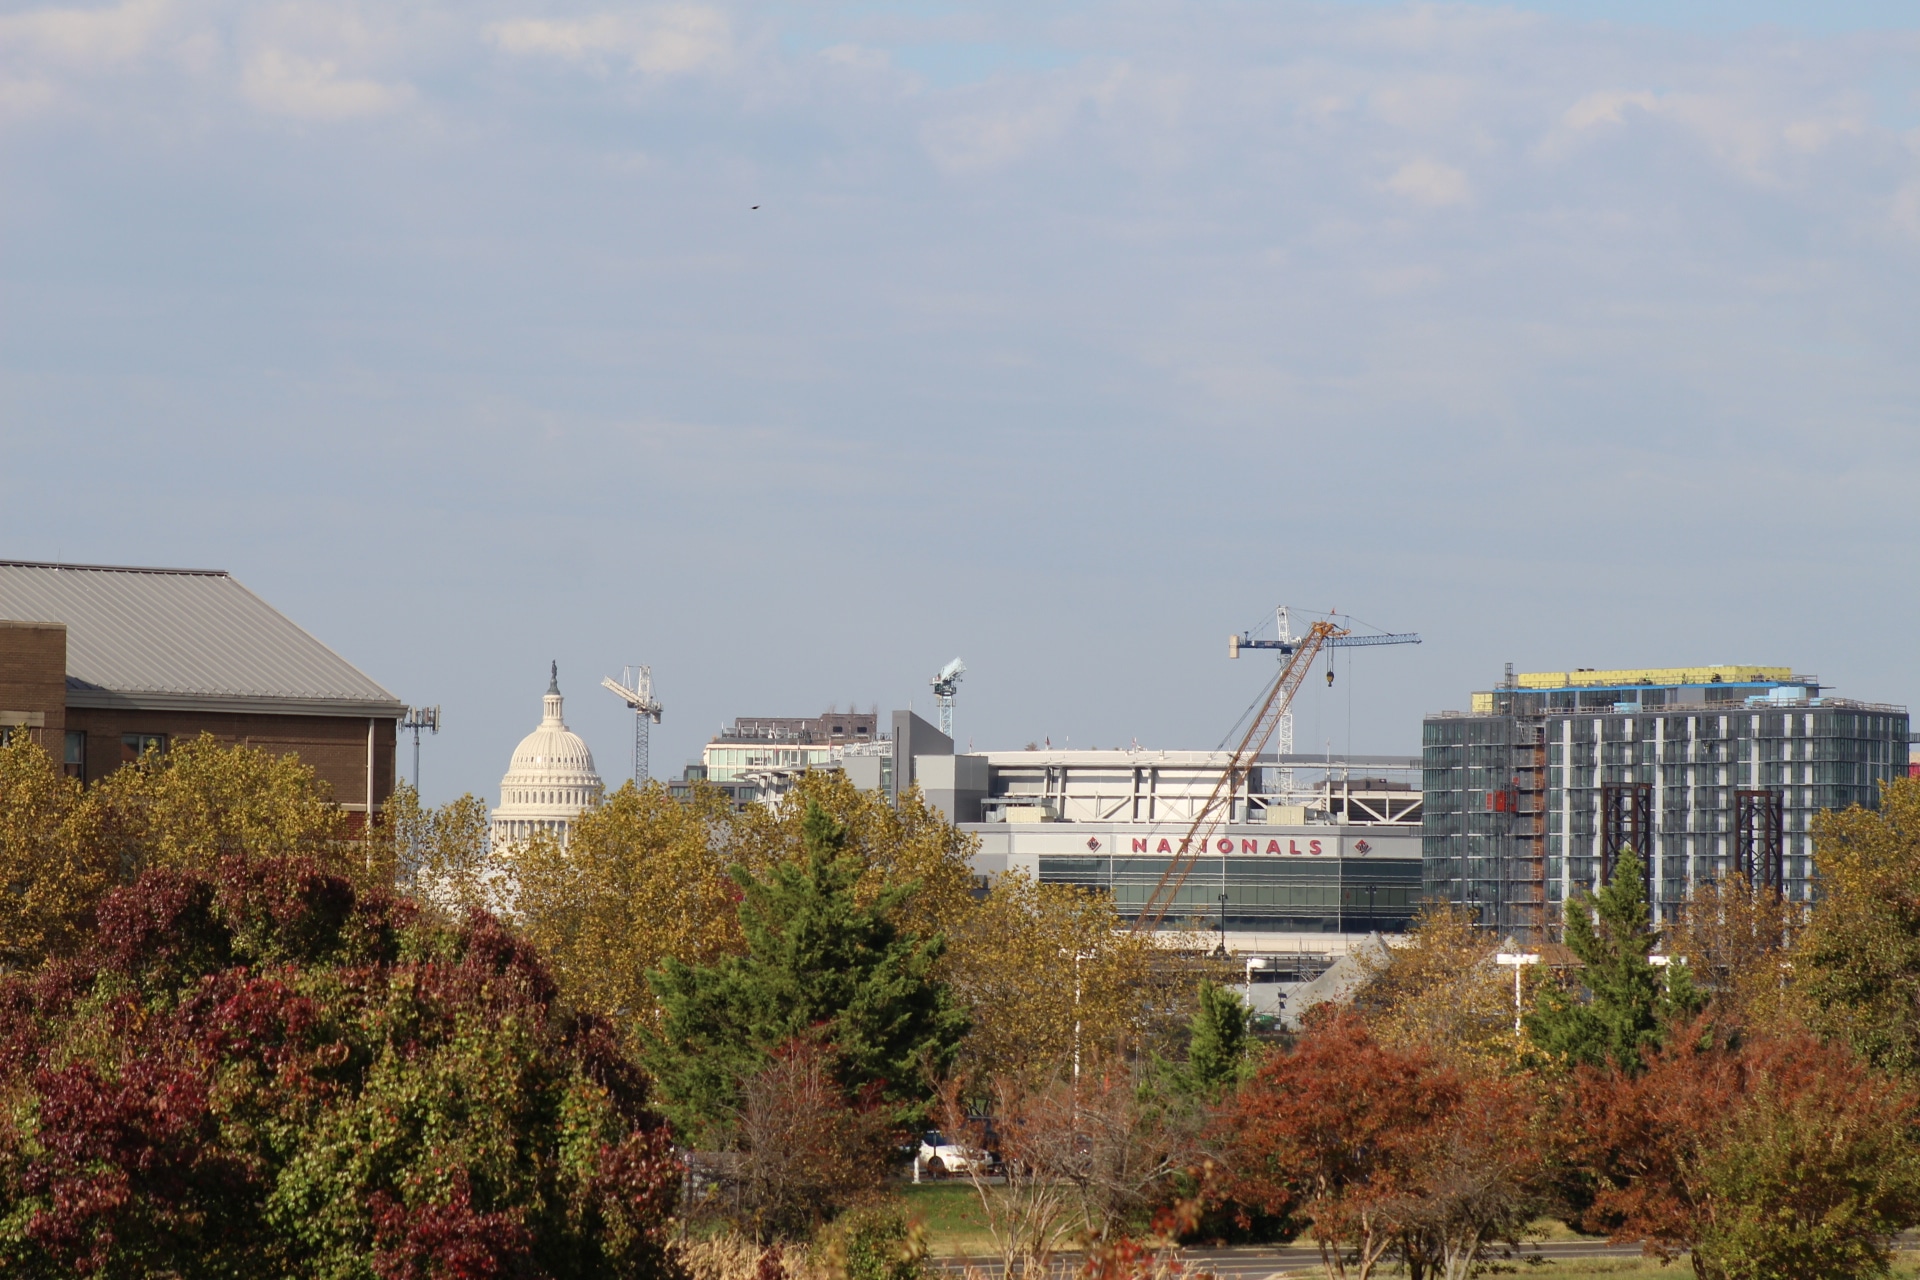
(1329, 677)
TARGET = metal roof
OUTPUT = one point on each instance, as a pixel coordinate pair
(186, 640)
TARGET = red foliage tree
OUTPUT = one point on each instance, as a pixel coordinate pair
(265, 1073)
(1338, 1133)
(1762, 1156)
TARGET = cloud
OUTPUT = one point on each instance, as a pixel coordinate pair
(84, 37)
(675, 38)
(1431, 183)
(1609, 106)
(313, 89)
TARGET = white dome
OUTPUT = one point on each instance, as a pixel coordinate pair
(549, 781)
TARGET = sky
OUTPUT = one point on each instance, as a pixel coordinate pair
(794, 349)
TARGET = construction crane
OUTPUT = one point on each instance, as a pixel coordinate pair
(945, 682)
(1300, 653)
(635, 688)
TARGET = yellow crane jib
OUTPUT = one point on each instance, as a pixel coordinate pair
(1208, 819)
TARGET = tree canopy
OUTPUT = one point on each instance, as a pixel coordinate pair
(255, 1070)
(819, 966)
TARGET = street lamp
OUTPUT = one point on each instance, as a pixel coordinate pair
(1519, 960)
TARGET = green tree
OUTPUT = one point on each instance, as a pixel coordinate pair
(1217, 1042)
(1629, 1000)
(819, 966)
(1858, 964)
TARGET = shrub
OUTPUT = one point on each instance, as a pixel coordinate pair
(261, 1072)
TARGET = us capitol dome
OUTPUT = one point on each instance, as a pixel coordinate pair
(549, 783)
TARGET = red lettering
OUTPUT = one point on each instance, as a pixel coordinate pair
(1273, 846)
(1223, 845)
(1314, 847)
(1164, 846)
(1249, 846)
(1140, 844)
(1293, 846)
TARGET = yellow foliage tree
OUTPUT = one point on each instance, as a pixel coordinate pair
(1736, 940)
(1858, 963)
(1045, 970)
(1440, 989)
(52, 862)
(643, 877)
(202, 801)
(441, 857)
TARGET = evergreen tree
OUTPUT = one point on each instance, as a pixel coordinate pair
(819, 967)
(1216, 1042)
(1630, 1002)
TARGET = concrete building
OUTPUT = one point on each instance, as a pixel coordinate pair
(1703, 771)
(102, 663)
(1317, 854)
(550, 780)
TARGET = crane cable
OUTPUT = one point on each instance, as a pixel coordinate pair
(1278, 699)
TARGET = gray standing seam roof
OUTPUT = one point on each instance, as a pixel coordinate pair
(184, 639)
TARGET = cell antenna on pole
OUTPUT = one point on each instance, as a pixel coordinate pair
(635, 688)
(944, 683)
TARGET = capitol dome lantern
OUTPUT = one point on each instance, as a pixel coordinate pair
(550, 781)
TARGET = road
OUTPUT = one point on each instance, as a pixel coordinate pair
(1284, 1262)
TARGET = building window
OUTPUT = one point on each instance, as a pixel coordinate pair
(74, 763)
(135, 745)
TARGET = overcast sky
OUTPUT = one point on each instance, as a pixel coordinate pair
(1067, 338)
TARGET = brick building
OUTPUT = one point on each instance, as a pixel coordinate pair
(101, 663)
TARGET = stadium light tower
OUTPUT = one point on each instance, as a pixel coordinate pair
(635, 688)
(944, 683)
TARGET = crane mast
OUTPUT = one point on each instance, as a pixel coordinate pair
(635, 688)
(1303, 652)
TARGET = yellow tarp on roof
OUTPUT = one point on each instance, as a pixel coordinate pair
(1650, 675)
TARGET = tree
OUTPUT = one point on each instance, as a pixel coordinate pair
(1735, 937)
(1630, 1002)
(52, 860)
(1441, 989)
(442, 857)
(257, 1071)
(818, 966)
(893, 844)
(1858, 964)
(1045, 973)
(64, 847)
(1337, 1134)
(201, 801)
(1763, 1156)
(807, 1151)
(1080, 1158)
(643, 879)
(1477, 1183)
(1217, 1043)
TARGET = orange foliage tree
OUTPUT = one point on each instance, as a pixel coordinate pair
(1774, 1155)
(1378, 1147)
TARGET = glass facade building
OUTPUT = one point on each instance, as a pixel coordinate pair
(1260, 894)
(1702, 772)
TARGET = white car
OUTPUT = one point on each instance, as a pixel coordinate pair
(939, 1155)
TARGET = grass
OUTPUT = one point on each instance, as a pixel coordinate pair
(951, 1212)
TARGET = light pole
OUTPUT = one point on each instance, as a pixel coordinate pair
(419, 718)
(1255, 962)
(1518, 960)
